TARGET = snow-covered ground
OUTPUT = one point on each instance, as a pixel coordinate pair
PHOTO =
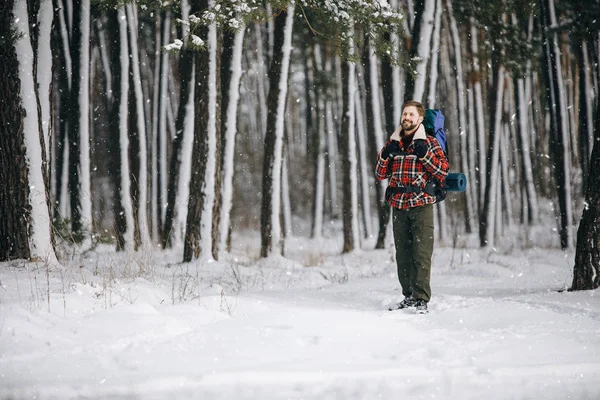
(314, 325)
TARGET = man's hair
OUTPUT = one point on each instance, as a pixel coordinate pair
(414, 103)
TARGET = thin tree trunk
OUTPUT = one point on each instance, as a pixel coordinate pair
(230, 133)
(79, 134)
(487, 220)
(319, 145)
(349, 162)
(141, 172)
(559, 124)
(462, 114)
(271, 239)
(171, 228)
(196, 202)
(375, 134)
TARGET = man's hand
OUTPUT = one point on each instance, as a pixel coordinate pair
(392, 147)
(420, 148)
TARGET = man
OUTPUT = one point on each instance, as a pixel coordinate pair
(414, 162)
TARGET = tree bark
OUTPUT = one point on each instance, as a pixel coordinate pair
(558, 124)
(192, 245)
(24, 215)
(271, 183)
(586, 271)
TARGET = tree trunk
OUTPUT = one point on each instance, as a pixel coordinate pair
(487, 220)
(229, 135)
(192, 243)
(186, 65)
(349, 162)
(140, 170)
(559, 142)
(79, 135)
(586, 271)
(375, 134)
(24, 214)
(271, 185)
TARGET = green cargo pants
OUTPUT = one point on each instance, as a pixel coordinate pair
(413, 239)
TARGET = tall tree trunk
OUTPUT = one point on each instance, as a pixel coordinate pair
(319, 146)
(140, 172)
(586, 271)
(214, 177)
(229, 134)
(79, 134)
(271, 237)
(586, 128)
(363, 165)
(421, 48)
(349, 162)
(25, 231)
(159, 171)
(481, 165)
(118, 128)
(199, 237)
(62, 88)
(178, 159)
(558, 122)
(469, 209)
(487, 221)
(192, 243)
(375, 134)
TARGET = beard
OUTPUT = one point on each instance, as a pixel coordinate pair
(408, 126)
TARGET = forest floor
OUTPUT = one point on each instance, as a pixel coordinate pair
(312, 325)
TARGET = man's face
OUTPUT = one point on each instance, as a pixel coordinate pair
(410, 118)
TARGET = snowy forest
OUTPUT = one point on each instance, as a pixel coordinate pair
(174, 124)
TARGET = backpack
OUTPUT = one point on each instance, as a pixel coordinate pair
(434, 126)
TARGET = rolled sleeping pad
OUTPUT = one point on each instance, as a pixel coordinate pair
(456, 182)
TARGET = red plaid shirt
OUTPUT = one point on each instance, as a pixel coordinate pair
(409, 170)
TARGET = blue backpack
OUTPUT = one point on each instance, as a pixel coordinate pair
(434, 126)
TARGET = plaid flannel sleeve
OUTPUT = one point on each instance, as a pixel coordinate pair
(435, 161)
(383, 168)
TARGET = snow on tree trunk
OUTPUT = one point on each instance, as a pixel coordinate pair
(124, 190)
(435, 50)
(364, 167)
(181, 158)
(376, 137)
(319, 177)
(422, 36)
(185, 168)
(504, 154)
(38, 232)
(487, 223)
(349, 161)
(271, 239)
(285, 195)
(525, 152)
(161, 140)
(213, 135)
(142, 200)
(462, 114)
(559, 123)
(480, 180)
(332, 149)
(44, 75)
(230, 137)
(397, 75)
(78, 128)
